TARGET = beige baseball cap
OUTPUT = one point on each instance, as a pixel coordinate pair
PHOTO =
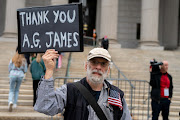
(99, 52)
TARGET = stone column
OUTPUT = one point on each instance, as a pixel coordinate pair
(59, 2)
(108, 18)
(149, 25)
(11, 17)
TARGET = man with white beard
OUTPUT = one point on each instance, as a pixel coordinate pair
(69, 97)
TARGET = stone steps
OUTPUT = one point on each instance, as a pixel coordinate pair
(18, 109)
(17, 115)
(21, 96)
(172, 115)
(24, 110)
(173, 109)
(135, 65)
(28, 87)
(133, 62)
(21, 91)
(19, 103)
(26, 82)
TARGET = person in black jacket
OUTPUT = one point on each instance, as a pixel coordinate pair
(105, 43)
(162, 91)
(69, 99)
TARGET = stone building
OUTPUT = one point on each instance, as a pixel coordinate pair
(145, 24)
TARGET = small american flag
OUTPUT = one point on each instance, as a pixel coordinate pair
(115, 99)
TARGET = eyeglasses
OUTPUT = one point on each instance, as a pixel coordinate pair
(95, 63)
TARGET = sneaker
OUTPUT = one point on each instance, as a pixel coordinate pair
(14, 106)
(10, 106)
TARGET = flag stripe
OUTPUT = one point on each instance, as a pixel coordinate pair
(118, 101)
(114, 103)
(115, 99)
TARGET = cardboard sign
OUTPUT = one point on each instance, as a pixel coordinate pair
(52, 27)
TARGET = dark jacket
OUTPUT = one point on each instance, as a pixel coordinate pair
(155, 83)
(105, 43)
(76, 106)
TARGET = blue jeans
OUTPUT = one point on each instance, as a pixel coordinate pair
(15, 83)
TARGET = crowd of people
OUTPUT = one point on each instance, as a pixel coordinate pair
(108, 99)
(18, 67)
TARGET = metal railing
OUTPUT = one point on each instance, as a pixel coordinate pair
(136, 98)
(90, 41)
(134, 88)
(116, 73)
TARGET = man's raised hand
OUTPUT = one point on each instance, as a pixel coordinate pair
(49, 59)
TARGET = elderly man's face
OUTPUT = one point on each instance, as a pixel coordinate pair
(97, 70)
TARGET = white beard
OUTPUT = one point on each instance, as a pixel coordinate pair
(95, 78)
